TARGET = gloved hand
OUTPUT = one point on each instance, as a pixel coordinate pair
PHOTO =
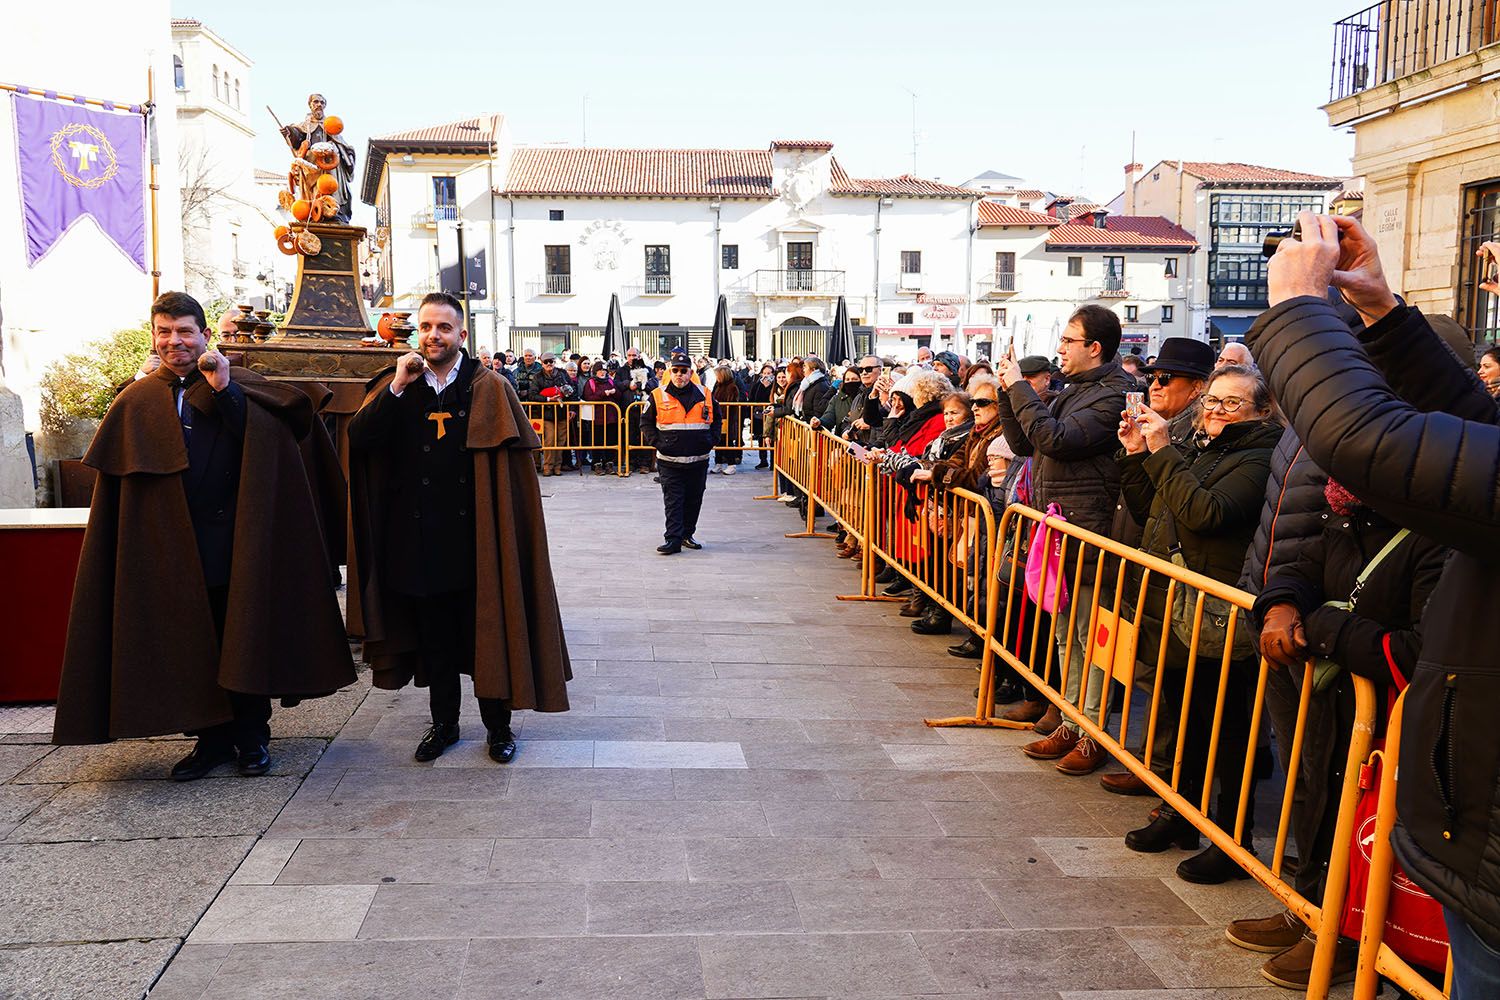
(1282, 640)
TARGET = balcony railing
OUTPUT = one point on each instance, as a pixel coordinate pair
(997, 285)
(430, 216)
(658, 284)
(813, 284)
(910, 281)
(551, 284)
(1397, 38)
(1112, 287)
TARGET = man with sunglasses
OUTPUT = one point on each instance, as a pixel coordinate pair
(866, 413)
(679, 423)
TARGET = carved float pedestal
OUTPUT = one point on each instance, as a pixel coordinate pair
(321, 340)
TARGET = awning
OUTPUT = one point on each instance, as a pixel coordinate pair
(1228, 328)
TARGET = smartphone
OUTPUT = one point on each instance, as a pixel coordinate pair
(1134, 402)
(858, 450)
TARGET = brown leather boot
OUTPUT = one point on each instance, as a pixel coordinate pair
(915, 606)
(1125, 783)
(1025, 711)
(1059, 744)
(1267, 934)
(1049, 721)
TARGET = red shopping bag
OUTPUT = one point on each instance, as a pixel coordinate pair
(1414, 926)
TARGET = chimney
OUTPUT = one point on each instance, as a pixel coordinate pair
(1131, 169)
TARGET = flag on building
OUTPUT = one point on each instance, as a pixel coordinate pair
(77, 162)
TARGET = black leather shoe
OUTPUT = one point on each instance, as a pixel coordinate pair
(502, 747)
(886, 575)
(255, 761)
(688, 543)
(970, 649)
(901, 588)
(1211, 866)
(439, 738)
(1008, 691)
(935, 622)
(670, 548)
(202, 760)
(1167, 830)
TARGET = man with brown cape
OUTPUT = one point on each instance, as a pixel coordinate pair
(446, 531)
(205, 587)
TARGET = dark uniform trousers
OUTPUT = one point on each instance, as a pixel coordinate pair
(682, 486)
(444, 624)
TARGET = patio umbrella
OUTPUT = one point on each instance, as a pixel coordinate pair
(718, 345)
(840, 337)
(614, 328)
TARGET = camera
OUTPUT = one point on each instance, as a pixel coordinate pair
(1273, 240)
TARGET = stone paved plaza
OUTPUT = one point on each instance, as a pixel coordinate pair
(743, 802)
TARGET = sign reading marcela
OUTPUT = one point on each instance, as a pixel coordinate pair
(76, 162)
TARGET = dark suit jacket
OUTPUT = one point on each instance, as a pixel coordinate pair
(212, 480)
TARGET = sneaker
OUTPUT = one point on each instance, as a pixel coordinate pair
(714, 469)
(1058, 745)
(786, 498)
(1292, 968)
(729, 470)
(1269, 934)
(1086, 757)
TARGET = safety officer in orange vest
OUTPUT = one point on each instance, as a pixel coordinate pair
(679, 423)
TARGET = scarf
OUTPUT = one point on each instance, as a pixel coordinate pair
(802, 388)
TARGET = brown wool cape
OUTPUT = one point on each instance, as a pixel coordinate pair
(520, 652)
(142, 657)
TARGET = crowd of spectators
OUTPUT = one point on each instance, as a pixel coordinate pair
(1204, 472)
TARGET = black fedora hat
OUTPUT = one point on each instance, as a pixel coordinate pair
(1184, 356)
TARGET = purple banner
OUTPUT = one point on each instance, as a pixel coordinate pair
(76, 162)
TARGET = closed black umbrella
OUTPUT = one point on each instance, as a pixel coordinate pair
(614, 328)
(840, 337)
(719, 347)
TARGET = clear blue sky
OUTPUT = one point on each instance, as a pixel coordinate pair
(1050, 92)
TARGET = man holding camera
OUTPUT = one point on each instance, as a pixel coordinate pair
(1396, 418)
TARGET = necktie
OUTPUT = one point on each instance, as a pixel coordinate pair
(183, 411)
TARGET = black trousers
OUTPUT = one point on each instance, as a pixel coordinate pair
(445, 624)
(682, 486)
(251, 727)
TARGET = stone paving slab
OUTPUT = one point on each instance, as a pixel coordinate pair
(128, 810)
(116, 969)
(744, 803)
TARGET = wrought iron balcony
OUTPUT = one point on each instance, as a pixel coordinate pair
(551, 284)
(1397, 38)
(810, 284)
(658, 284)
(998, 285)
(429, 217)
(1112, 287)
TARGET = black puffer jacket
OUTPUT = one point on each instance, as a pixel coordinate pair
(1208, 496)
(1126, 529)
(1389, 607)
(1073, 441)
(1290, 521)
(1419, 440)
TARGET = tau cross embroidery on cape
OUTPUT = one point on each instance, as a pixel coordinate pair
(441, 417)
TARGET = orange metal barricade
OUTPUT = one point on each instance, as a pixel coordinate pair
(577, 426)
(948, 544)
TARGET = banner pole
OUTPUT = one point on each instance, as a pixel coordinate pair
(151, 155)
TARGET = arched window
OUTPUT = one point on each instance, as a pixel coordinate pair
(178, 80)
(236, 92)
(226, 86)
(216, 79)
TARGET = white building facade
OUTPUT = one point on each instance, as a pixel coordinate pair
(225, 221)
(782, 233)
(84, 288)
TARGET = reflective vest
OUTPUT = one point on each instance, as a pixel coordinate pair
(682, 433)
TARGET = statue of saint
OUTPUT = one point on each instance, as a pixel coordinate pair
(311, 131)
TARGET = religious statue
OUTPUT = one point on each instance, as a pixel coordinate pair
(317, 144)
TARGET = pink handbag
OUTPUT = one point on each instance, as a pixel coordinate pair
(1044, 571)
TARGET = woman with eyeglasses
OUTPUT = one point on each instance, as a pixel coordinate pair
(761, 390)
(1201, 499)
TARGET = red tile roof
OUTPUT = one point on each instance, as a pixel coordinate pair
(819, 144)
(904, 186)
(992, 213)
(1249, 173)
(1031, 194)
(465, 130)
(641, 173)
(1123, 232)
